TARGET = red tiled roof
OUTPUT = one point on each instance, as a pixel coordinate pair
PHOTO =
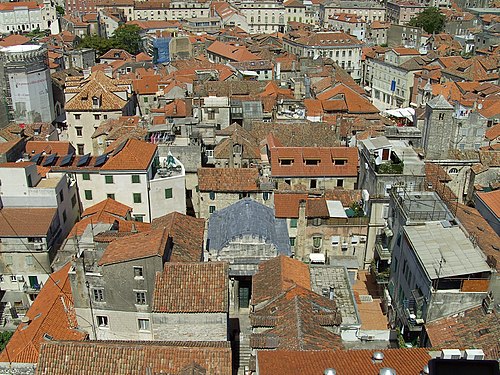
(354, 102)
(49, 147)
(192, 288)
(26, 222)
(51, 314)
(345, 362)
(287, 205)
(109, 206)
(405, 51)
(136, 155)
(7, 146)
(21, 164)
(21, 4)
(325, 166)
(492, 201)
(493, 132)
(472, 328)
(228, 179)
(232, 52)
(187, 235)
(278, 275)
(14, 40)
(134, 358)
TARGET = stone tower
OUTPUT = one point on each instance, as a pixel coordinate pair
(438, 128)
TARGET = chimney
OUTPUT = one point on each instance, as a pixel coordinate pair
(377, 357)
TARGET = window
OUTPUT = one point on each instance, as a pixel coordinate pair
(313, 184)
(211, 115)
(65, 217)
(211, 195)
(137, 198)
(316, 242)
(339, 161)
(316, 221)
(13, 278)
(143, 324)
(293, 223)
(145, 99)
(61, 196)
(102, 321)
(79, 131)
(168, 193)
(110, 196)
(34, 239)
(140, 298)
(286, 161)
(292, 241)
(441, 116)
(73, 200)
(139, 218)
(77, 116)
(80, 149)
(312, 161)
(29, 260)
(136, 179)
(340, 183)
(97, 117)
(453, 171)
(138, 272)
(108, 179)
(86, 176)
(98, 294)
(265, 195)
(211, 209)
(88, 195)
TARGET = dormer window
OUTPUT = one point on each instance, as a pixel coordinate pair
(96, 102)
(286, 161)
(339, 162)
(312, 161)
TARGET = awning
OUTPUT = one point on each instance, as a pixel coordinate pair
(335, 209)
(401, 113)
(317, 258)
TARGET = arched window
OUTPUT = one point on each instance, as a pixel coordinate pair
(453, 171)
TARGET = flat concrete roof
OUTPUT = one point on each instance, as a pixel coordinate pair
(21, 48)
(433, 241)
(323, 277)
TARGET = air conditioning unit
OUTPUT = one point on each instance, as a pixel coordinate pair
(451, 354)
(474, 354)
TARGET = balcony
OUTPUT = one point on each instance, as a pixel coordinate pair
(32, 289)
(382, 251)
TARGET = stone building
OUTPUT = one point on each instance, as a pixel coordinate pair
(221, 187)
(191, 302)
(245, 234)
(113, 284)
(323, 226)
(369, 11)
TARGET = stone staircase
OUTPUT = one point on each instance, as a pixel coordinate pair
(244, 354)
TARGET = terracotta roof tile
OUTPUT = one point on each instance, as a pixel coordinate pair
(348, 362)
(298, 134)
(49, 147)
(51, 314)
(14, 40)
(26, 222)
(287, 205)
(493, 132)
(228, 179)
(192, 288)
(278, 275)
(325, 166)
(133, 358)
(232, 52)
(492, 201)
(21, 4)
(99, 85)
(472, 328)
(354, 102)
(136, 155)
(187, 234)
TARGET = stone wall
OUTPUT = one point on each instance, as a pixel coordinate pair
(190, 326)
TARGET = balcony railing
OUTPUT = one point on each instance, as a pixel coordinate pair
(32, 288)
(382, 251)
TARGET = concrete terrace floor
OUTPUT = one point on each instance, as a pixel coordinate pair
(371, 313)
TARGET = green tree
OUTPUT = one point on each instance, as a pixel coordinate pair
(4, 338)
(100, 44)
(60, 10)
(431, 20)
(127, 37)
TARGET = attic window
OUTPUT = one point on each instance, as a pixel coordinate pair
(95, 101)
(286, 161)
(339, 162)
(312, 161)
